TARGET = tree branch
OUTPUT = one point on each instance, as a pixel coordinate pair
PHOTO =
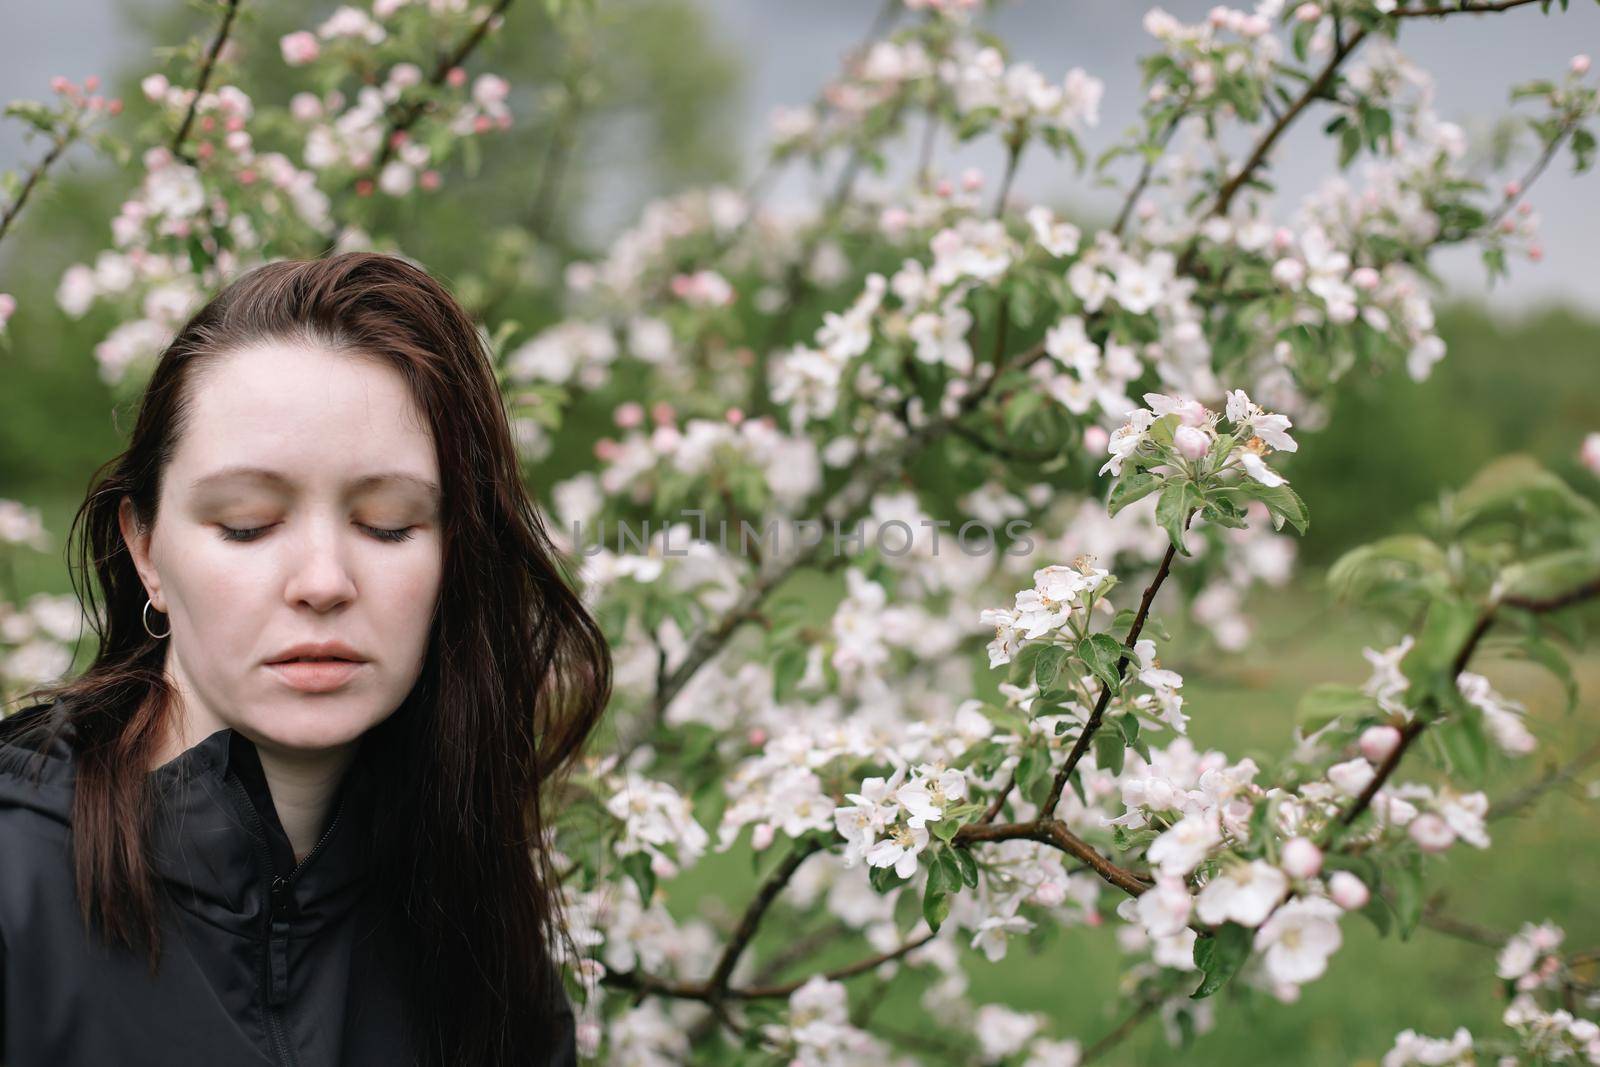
(1126, 1027)
(206, 68)
(1085, 735)
(1555, 776)
(716, 986)
(1537, 605)
(1054, 832)
(1318, 86)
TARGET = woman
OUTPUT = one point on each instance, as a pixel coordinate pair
(297, 797)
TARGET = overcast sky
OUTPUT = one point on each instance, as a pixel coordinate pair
(790, 47)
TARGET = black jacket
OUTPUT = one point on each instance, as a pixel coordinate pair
(255, 969)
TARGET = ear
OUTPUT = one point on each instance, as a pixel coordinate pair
(138, 542)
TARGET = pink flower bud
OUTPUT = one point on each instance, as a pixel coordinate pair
(1308, 12)
(1348, 891)
(1364, 278)
(734, 416)
(606, 450)
(1513, 188)
(944, 188)
(1377, 742)
(1579, 65)
(299, 48)
(761, 836)
(91, 83)
(1301, 858)
(662, 414)
(1254, 26)
(757, 736)
(629, 415)
(456, 78)
(1431, 832)
(972, 179)
(1095, 440)
(364, 187)
(60, 84)
(482, 124)
(1535, 252)
(429, 180)
(1191, 442)
(247, 176)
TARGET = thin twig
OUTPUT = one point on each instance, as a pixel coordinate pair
(209, 65)
(717, 985)
(1555, 776)
(1460, 9)
(1054, 832)
(1126, 1027)
(1139, 184)
(35, 176)
(1081, 745)
(1536, 605)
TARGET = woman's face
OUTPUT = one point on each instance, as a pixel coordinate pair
(330, 533)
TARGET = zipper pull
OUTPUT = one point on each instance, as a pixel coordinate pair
(278, 943)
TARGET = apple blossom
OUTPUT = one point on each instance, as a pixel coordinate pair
(1378, 742)
(1244, 893)
(1348, 891)
(1302, 859)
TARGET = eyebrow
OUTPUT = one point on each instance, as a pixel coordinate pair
(374, 480)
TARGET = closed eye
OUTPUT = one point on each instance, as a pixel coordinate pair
(233, 536)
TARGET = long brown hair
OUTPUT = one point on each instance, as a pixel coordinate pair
(516, 676)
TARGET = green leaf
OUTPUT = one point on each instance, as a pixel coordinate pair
(967, 865)
(1109, 750)
(1220, 957)
(1553, 574)
(1284, 504)
(1405, 878)
(1330, 701)
(637, 865)
(1130, 487)
(1516, 488)
(1402, 558)
(1549, 656)
(883, 879)
(1047, 668)
(1172, 510)
(1429, 666)
(1101, 653)
(935, 907)
(787, 671)
(1129, 727)
(944, 829)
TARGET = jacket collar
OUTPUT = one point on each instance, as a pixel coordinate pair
(215, 837)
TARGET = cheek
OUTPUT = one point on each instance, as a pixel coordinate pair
(406, 591)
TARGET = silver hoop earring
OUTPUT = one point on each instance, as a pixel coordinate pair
(144, 617)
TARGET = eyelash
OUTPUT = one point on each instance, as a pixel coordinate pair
(232, 536)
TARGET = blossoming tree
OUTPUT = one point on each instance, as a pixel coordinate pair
(1000, 428)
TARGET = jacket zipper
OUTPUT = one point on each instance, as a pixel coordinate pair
(278, 889)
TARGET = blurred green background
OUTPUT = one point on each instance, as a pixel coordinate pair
(1529, 383)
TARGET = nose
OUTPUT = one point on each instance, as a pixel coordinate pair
(319, 575)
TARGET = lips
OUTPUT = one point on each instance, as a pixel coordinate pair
(319, 676)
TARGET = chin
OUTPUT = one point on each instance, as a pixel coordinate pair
(309, 728)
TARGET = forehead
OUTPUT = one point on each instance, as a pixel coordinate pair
(309, 414)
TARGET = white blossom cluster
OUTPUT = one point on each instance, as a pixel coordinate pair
(1564, 1034)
